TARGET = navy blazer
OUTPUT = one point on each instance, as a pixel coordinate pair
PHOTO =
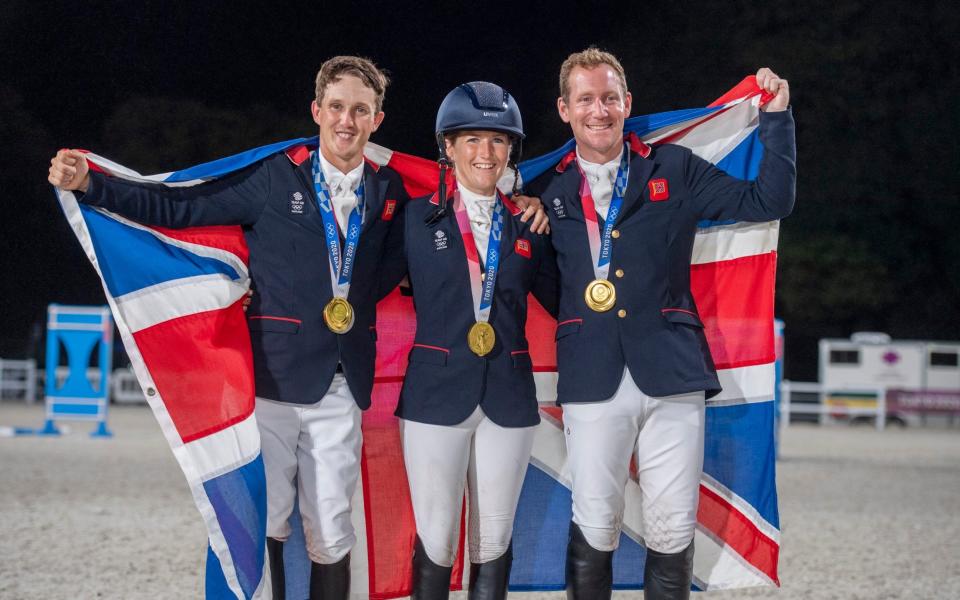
(654, 328)
(295, 355)
(445, 380)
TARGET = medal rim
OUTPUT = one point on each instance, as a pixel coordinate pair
(600, 306)
(481, 325)
(333, 326)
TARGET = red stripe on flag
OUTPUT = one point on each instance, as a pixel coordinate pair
(541, 336)
(389, 515)
(456, 575)
(222, 237)
(735, 302)
(419, 174)
(396, 327)
(747, 87)
(390, 522)
(735, 530)
(202, 367)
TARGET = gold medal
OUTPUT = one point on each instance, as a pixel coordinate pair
(600, 295)
(481, 338)
(338, 315)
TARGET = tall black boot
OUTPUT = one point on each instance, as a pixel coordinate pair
(668, 576)
(430, 580)
(330, 582)
(589, 571)
(277, 580)
(489, 580)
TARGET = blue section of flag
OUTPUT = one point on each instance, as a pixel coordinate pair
(539, 533)
(741, 457)
(216, 587)
(239, 499)
(132, 259)
(296, 561)
(223, 166)
(540, 539)
(743, 162)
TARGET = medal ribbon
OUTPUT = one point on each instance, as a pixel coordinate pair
(341, 265)
(601, 247)
(482, 290)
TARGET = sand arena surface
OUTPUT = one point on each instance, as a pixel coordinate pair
(864, 514)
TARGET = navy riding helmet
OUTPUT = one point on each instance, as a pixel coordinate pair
(481, 106)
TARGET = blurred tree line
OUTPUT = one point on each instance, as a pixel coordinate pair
(872, 244)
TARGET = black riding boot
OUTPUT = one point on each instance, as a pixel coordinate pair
(589, 571)
(489, 580)
(277, 580)
(668, 576)
(330, 582)
(430, 580)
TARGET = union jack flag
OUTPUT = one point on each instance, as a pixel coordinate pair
(175, 295)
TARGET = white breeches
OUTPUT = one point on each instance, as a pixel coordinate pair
(491, 459)
(319, 445)
(666, 437)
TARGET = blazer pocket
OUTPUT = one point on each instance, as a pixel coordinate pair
(274, 324)
(681, 316)
(430, 355)
(522, 360)
(568, 327)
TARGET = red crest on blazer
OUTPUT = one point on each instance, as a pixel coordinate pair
(659, 190)
(389, 208)
(522, 247)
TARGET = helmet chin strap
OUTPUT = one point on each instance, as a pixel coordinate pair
(441, 210)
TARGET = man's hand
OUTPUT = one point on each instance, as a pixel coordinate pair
(247, 299)
(771, 83)
(532, 208)
(69, 171)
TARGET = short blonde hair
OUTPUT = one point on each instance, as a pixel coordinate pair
(588, 59)
(362, 68)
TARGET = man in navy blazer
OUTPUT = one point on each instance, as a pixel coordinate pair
(634, 365)
(313, 374)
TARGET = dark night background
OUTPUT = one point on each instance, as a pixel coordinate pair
(157, 86)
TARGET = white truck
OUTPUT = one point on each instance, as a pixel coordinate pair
(918, 378)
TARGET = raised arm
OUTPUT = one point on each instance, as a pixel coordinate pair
(771, 196)
(236, 199)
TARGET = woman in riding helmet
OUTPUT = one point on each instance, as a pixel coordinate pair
(468, 407)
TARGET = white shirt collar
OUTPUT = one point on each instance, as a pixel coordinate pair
(596, 170)
(340, 183)
(469, 196)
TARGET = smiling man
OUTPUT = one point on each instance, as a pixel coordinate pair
(633, 360)
(319, 226)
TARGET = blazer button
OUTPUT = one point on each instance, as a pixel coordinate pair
(618, 272)
(615, 233)
(621, 313)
